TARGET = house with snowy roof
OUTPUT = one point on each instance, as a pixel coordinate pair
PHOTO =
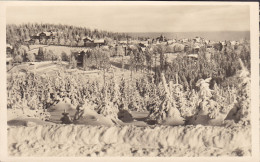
(44, 36)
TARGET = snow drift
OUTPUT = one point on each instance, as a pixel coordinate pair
(80, 140)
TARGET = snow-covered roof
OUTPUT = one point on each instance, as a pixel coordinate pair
(123, 42)
(106, 47)
(87, 38)
(99, 41)
(47, 33)
(193, 55)
(197, 47)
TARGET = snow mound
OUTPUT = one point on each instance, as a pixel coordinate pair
(91, 117)
(25, 121)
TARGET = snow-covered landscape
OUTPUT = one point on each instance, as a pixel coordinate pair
(77, 92)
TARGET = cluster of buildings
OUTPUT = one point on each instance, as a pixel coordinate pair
(44, 36)
(90, 42)
(190, 46)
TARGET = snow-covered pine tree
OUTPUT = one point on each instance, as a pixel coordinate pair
(243, 96)
(167, 113)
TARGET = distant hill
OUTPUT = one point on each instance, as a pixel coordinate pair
(216, 36)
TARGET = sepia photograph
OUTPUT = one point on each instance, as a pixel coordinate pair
(138, 80)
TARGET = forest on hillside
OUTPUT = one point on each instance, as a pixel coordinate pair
(17, 34)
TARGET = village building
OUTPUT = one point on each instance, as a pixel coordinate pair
(123, 42)
(88, 42)
(161, 39)
(9, 50)
(44, 36)
(99, 42)
(193, 56)
(80, 55)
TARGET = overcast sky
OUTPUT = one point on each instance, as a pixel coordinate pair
(137, 18)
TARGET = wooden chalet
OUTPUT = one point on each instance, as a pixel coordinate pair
(80, 55)
(44, 36)
(89, 42)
